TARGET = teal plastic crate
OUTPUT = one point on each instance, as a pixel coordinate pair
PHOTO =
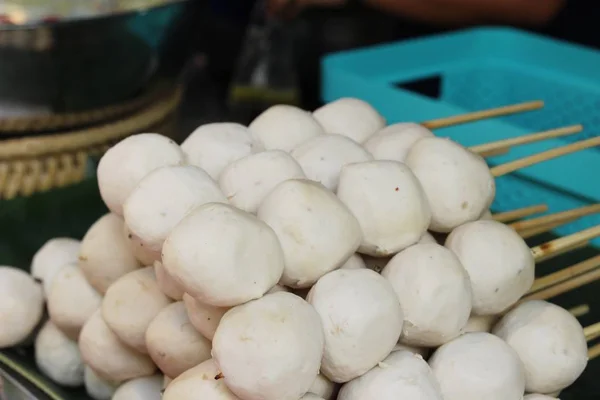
(484, 68)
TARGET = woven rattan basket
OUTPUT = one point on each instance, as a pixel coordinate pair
(31, 164)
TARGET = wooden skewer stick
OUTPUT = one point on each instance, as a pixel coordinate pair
(556, 217)
(512, 166)
(565, 274)
(497, 152)
(548, 249)
(594, 351)
(563, 250)
(528, 233)
(484, 114)
(592, 332)
(563, 287)
(580, 311)
(512, 215)
(490, 148)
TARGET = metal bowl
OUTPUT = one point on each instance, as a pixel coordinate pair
(64, 60)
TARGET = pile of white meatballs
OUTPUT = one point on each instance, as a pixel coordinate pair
(308, 256)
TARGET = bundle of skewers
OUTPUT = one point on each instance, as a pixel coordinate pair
(307, 256)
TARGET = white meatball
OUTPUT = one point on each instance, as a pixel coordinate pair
(427, 238)
(247, 181)
(96, 387)
(350, 117)
(21, 306)
(72, 301)
(214, 146)
(388, 202)
(124, 165)
(276, 340)
(457, 182)
(434, 291)
(51, 257)
(144, 388)
(478, 366)
(539, 397)
(131, 303)
(166, 283)
(480, 323)
(402, 375)
(204, 317)
(499, 263)
(223, 256)
(323, 157)
(201, 382)
(108, 356)
(395, 141)
(105, 253)
(316, 230)
(362, 320)
(173, 343)
(144, 255)
(161, 200)
(354, 262)
(550, 342)
(323, 387)
(58, 357)
(283, 127)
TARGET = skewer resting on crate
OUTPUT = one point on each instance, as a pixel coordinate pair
(559, 217)
(565, 274)
(564, 244)
(512, 215)
(484, 114)
(502, 146)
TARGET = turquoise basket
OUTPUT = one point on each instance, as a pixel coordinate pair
(484, 68)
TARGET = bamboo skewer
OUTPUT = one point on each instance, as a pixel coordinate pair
(528, 233)
(563, 287)
(491, 148)
(512, 215)
(592, 332)
(594, 351)
(559, 217)
(512, 166)
(484, 114)
(551, 248)
(565, 274)
(580, 311)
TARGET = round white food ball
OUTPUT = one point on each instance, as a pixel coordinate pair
(166, 283)
(499, 263)
(422, 351)
(51, 257)
(173, 343)
(21, 306)
(323, 387)
(100, 266)
(124, 165)
(144, 388)
(354, 262)
(316, 230)
(108, 356)
(536, 396)
(283, 127)
(201, 382)
(161, 200)
(214, 146)
(72, 301)
(350, 117)
(248, 180)
(96, 387)
(204, 317)
(58, 357)
(276, 340)
(550, 342)
(131, 303)
(402, 375)
(362, 321)
(144, 255)
(478, 366)
(427, 238)
(223, 256)
(388, 202)
(457, 182)
(395, 141)
(480, 323)
(323, 157)
(434, 291)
